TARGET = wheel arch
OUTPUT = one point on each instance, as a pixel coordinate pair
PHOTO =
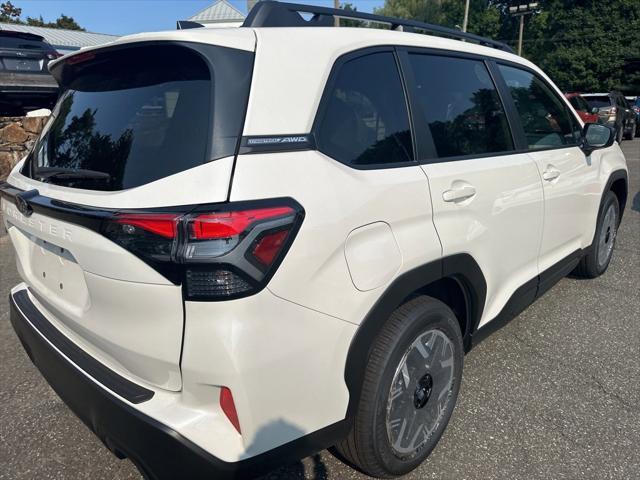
(618, 183)
(436, 279)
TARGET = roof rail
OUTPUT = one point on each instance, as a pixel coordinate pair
(269, 13)
(186, 24)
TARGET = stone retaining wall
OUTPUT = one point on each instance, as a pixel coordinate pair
(17, 136)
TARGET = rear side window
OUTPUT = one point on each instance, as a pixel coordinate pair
(579, 104)
(461, 105)
(129, 117)
(366, 121)
(544, 116)
(599, 101)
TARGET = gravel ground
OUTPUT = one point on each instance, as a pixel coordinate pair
(554, 394)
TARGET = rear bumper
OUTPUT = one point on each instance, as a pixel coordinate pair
(159, 451)
(20, 81)
(118, 413)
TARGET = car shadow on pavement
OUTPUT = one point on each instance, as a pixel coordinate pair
(312, 468)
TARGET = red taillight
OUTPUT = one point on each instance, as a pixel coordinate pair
(268, 247)
(229, 224)
(80, 57)
(163, 224)
(229, 407)
(227, 252)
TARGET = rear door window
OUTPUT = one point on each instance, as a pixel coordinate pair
(129, 117)
(366, 121)
(545, 117)
(461, 105)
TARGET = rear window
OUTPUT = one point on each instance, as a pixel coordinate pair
(23, 43)
(599, 101)
(130, 117)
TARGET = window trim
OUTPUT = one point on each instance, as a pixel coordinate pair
(326, 96)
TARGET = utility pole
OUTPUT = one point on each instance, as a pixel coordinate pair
(465, 21)
(520, 10)
(520, 35)
(336, 4)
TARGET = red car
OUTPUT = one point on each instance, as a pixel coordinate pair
(586, 113)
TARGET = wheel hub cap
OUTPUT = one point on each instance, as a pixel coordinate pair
(423, 391)
(420, 393)
(607, 236)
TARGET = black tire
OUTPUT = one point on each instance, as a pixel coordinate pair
(630, 134)
(369, 446)
(595, 263)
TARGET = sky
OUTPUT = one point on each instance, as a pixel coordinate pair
(120, 17)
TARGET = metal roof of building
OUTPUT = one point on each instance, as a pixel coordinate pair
(62, 38)
(221, 11)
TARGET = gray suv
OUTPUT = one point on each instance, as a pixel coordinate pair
(615, 112)
(25, 81)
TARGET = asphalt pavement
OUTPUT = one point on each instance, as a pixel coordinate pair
(553, 395)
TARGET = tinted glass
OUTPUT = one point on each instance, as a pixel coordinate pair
(23, 43)
(598, 101)
(366, 120)
(583, 104)
(133, 120)
(461, 105)
(575, 103)
(544, 116)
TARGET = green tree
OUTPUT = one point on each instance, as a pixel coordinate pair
(9, 13)
(484, 16)
(345, 22)
(63, 21)
(69, 23)
(429, 11)
(583, 45)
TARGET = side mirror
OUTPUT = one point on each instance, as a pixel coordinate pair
(595, 110)
(596, 136)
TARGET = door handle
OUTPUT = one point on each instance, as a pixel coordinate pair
(550, 174)
(459, 193)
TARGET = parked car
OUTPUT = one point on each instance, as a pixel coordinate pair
(25, 81)
(221, 276)
(635, 106)
(615, 112)
(587, 113)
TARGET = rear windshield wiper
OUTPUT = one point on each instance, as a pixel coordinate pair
(60, 173)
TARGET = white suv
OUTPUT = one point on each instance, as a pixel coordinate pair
(240, 246)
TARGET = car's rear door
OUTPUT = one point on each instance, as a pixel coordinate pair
(487, 198)
(128, 135)
(570, 179)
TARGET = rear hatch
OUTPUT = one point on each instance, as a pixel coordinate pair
(604, 104)
(139, 129)
(24, 58)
